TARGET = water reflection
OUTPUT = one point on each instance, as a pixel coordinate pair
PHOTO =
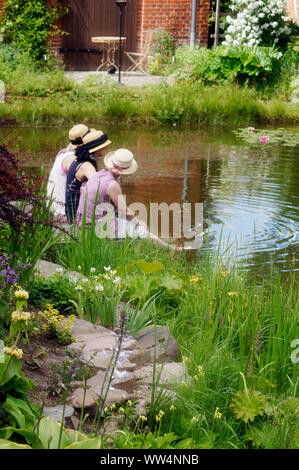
(250, 196)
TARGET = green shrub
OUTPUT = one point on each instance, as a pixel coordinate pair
(28, 24)
(261, 67)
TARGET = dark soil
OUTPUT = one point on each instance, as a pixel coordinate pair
(40, 358)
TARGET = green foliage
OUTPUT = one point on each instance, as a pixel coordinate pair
(28, 24)
(15, 408)
(56, 290)
(261, 67)
(248, 404)
(164, 43)
(129, 440)
(282, 432)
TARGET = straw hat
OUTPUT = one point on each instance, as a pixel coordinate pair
(77, 133)
(95, 140)
(122, 160)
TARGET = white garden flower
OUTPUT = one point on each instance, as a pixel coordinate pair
(92, 270)
(99, 288)
(262, 20)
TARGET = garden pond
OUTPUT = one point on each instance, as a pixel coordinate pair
(249, 190)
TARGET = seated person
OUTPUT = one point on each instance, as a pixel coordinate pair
(103, 190)
(84, 166)
(57, 178)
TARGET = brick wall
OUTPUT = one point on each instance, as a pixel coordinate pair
(155, 13)
(152, 14)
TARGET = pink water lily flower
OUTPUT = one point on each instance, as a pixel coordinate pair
(264, 139)
(251, 129)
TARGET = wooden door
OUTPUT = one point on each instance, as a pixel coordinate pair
(88, 18)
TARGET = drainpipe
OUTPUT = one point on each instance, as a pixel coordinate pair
(193, 23)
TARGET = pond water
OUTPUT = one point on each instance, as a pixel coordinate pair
(249, 195)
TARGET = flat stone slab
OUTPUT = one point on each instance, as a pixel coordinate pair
(91, 398)
(158, 342)
(104, 359)
(82, 328)
(47, 269)
(57, 411)
(171, 372)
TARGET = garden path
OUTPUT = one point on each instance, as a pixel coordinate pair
(119, 378)
(127, 78)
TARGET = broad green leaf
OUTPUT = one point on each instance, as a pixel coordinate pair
(247, 404)
(150, 268)
(95, 443)
(49, 432)
(12, 408)
(172, 282)
(9, 368)
(30, 436)
(4, 444)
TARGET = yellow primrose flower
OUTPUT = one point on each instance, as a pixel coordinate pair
(112, 407)
(21, 294)
(172, 408)
(129, 403)
(20, 316)
(121, 410)
(160, 415)
(186, 360)
(13, 351)
(233, 294)
(224, 273)
(195, 279)
(200, 371)
(217, 414)
(143, 418)
(195, 419)
(183, 383)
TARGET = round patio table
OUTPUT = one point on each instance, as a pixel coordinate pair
(110, 44)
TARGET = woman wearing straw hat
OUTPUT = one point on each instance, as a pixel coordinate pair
(94, 145)
(64, 159)
(103, 187)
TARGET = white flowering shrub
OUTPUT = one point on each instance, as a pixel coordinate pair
(258, 23)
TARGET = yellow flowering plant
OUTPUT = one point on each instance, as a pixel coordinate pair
(57, 326)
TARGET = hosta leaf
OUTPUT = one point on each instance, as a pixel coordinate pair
(12, 445)
(49, 432)
(95, 443)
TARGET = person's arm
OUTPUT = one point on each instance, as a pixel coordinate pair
(86, 171)
(115, 193)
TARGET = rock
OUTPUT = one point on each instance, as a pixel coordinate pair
(171, 372)
(47, 269)
(105, 358)
(165, 345)
(113, 424)
(91, 399)
(82, 327)
(57, 411)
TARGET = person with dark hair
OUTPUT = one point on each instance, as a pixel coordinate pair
(94, 145)
(57, 178)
